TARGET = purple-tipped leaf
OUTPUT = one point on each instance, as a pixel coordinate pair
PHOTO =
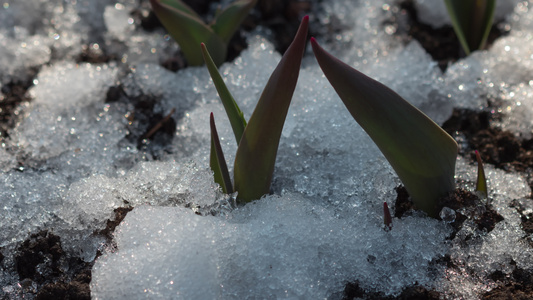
(188, 30)
(422, 154)
(256, 154)
(481, 184)
(387, 218)
(235, 115)
(217, 160)
(229, 20)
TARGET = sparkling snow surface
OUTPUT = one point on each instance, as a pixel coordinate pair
(69, 163)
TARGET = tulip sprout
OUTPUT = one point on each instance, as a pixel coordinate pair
(471, 20)
(258, 139)
(189, 30)
(422, 154)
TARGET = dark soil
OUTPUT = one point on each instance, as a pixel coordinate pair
(95, 54)
(12, 98)
(45, 270)
(499, 148)
(416, 292)
(523, 207)
(518, 286)
(151, 131)
(466, 205)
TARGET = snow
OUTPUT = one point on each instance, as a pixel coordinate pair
(69, 163)
(210, 255)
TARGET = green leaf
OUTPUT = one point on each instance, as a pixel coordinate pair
(235, 115)
(481, 184)
(217, 160)
(471, 20)
(229, 20)
(188, 30)
(422, 154)
(179, 5)
(256, 154)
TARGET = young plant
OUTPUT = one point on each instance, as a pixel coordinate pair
(422, 154)
(188, 30)
(258, 139)
(471, 20)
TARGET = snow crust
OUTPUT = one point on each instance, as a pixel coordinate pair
(69, 163)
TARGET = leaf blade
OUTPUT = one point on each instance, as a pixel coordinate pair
(256, 154)
(188, 31)
(217, 162)
(425, 161)
(230, 19)
(235, 115)
(471, 21)
(181, 6)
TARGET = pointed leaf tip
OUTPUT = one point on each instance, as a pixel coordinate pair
(217, 161)
(235, 115)
(256, 155)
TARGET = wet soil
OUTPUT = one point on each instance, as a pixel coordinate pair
(416, 292)
(13, 98)
(150, 130)
(46, 272)
(517, 286)
(500, 148)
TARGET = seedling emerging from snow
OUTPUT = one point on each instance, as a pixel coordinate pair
(188, 29)
(471, 20)
(422, 154)
(217, 160)
(258, 139)
(387, 218)
(481, 184)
